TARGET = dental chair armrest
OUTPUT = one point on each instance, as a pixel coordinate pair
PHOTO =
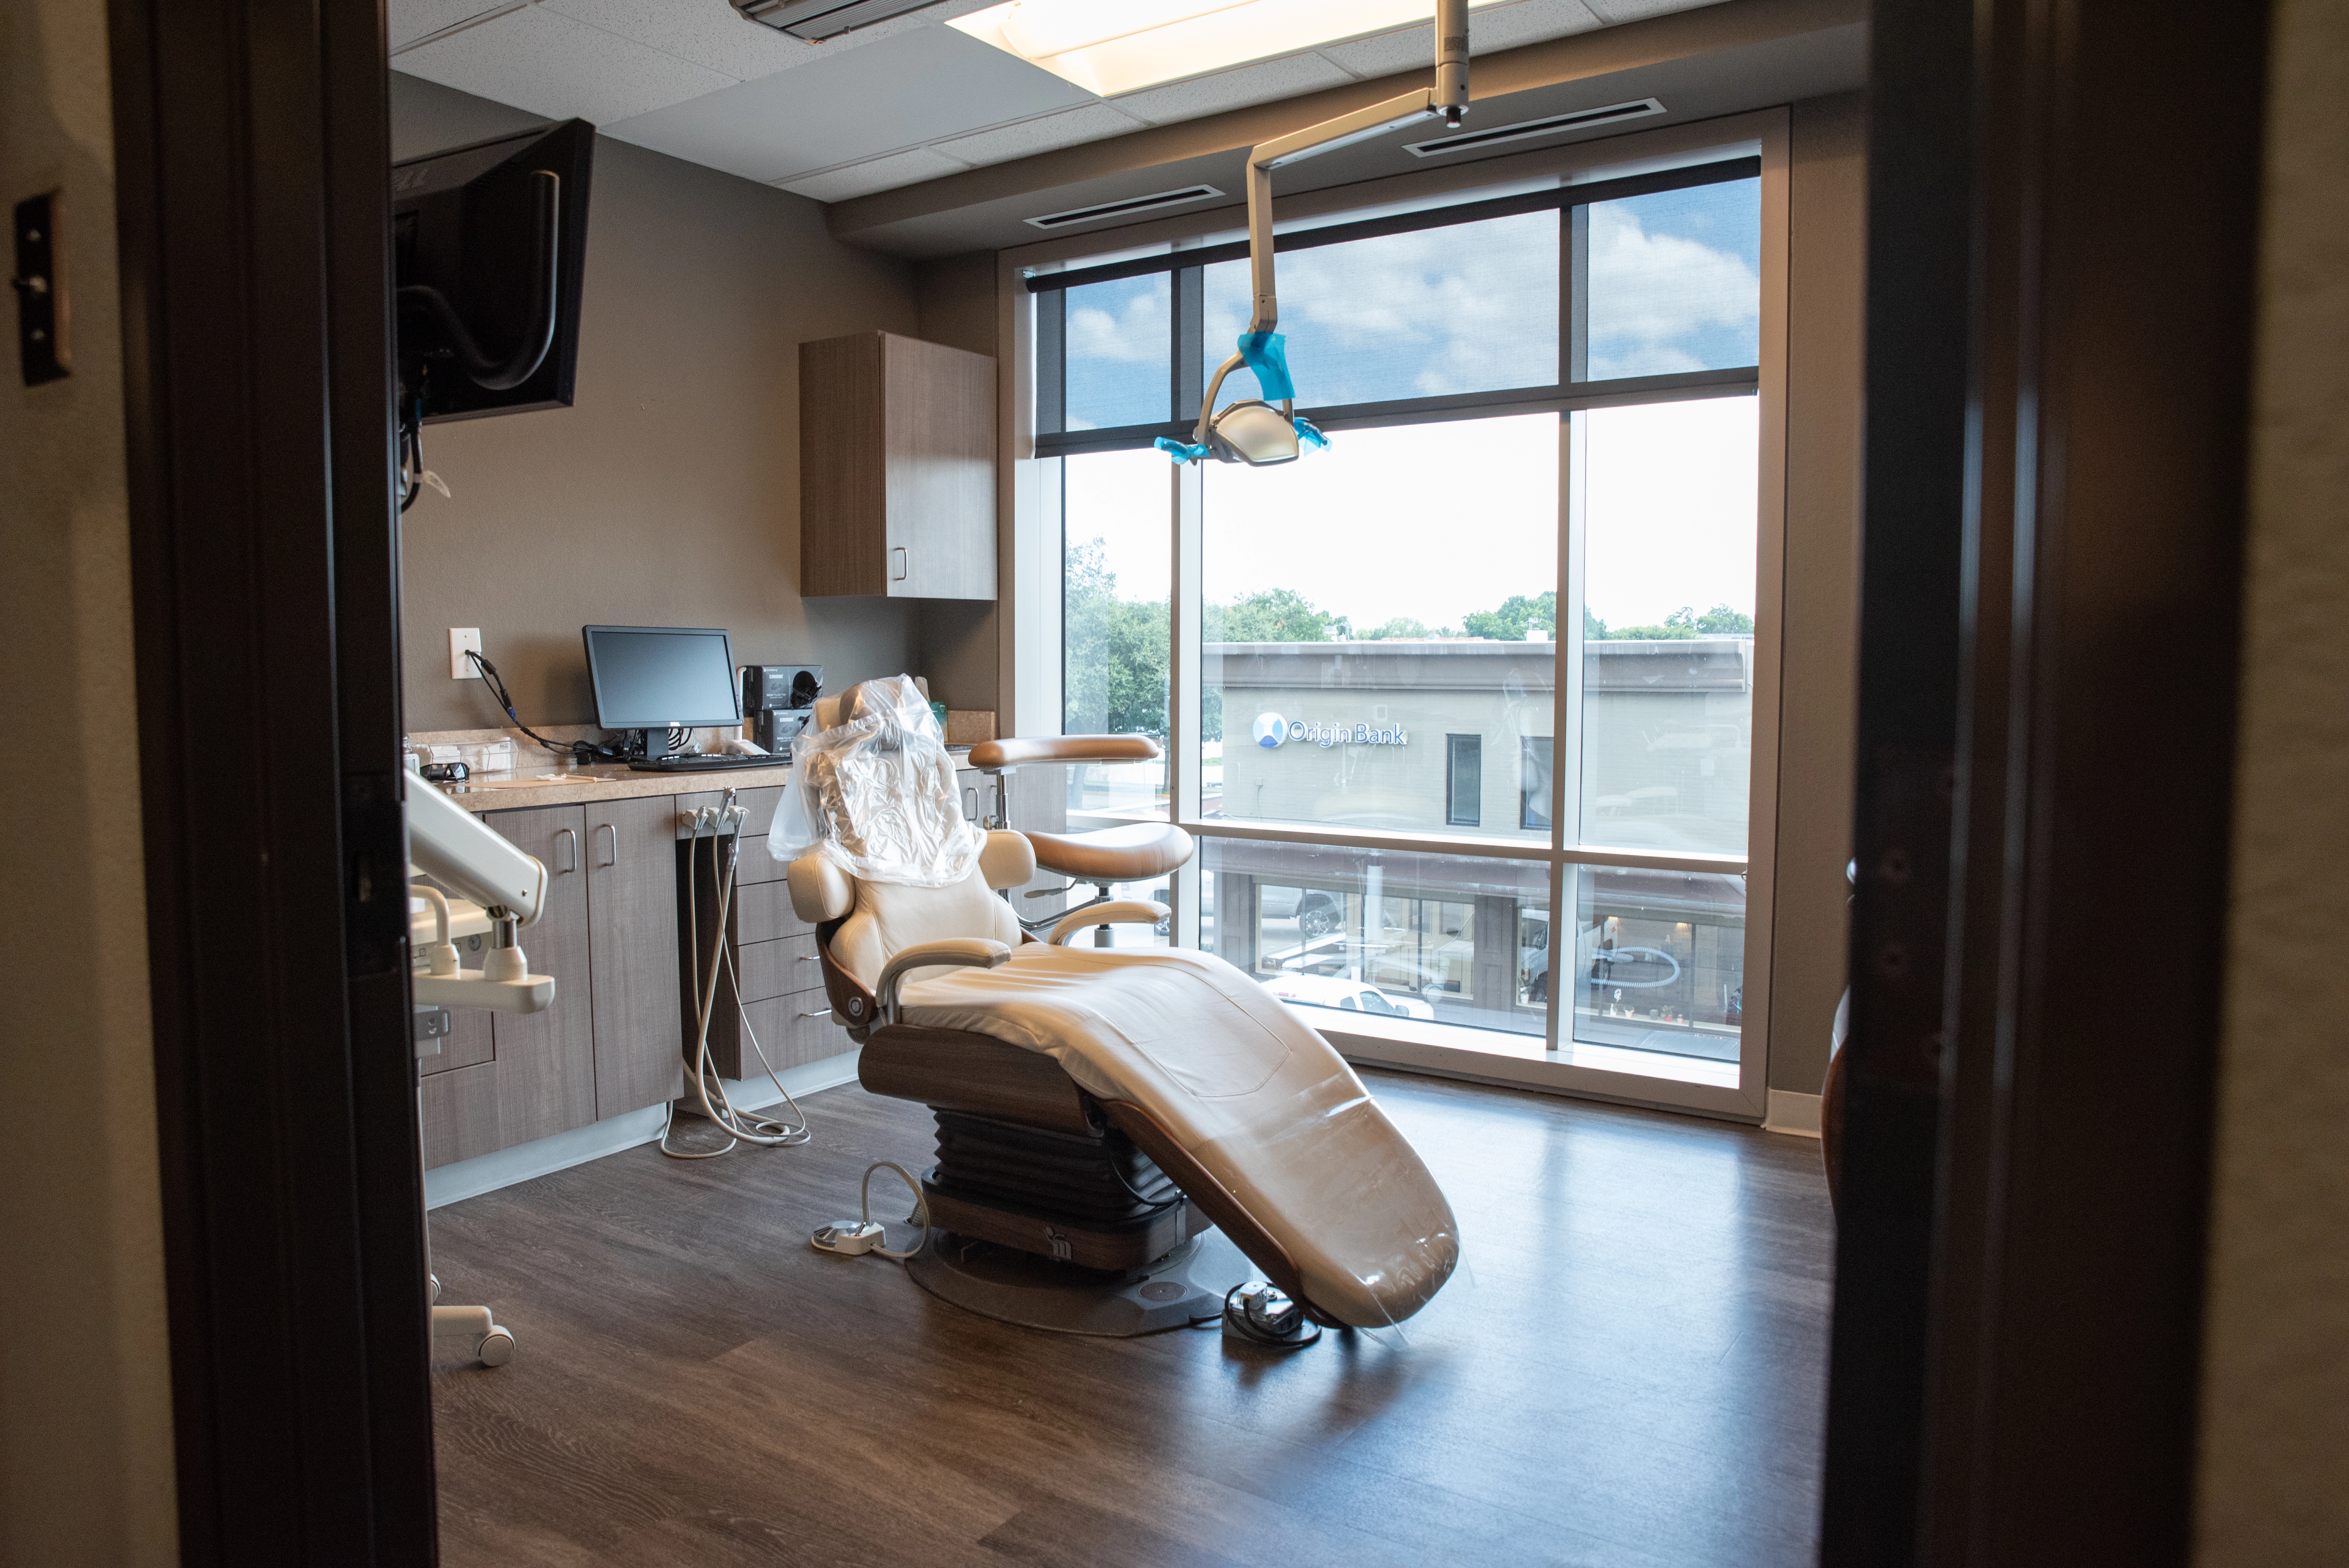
(1118, 912)
(956, 952)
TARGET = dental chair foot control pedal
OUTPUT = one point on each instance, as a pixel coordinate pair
(1262, 1313)
(852, 1238)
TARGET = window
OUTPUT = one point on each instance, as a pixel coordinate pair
(1533, 783)
(1535, 535)
(1463, 780)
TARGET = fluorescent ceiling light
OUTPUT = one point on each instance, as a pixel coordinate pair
(1112, 46)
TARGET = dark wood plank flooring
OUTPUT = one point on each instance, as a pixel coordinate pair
(1626, 1369)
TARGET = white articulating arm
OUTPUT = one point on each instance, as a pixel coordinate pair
(455, 848)
(1447, 100)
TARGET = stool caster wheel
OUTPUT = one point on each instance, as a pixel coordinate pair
(496, 1348)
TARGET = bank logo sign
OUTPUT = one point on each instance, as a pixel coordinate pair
(1271, 729)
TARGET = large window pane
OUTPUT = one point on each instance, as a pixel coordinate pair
(1115, 521)
(1675, 282)
(1665, 508)
(1383, 937)
(1471, 307)
(1366, 617)
(1659, 962)
(1121, 342)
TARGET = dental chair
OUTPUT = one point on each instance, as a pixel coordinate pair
(1104, 857)
(1099, 1109)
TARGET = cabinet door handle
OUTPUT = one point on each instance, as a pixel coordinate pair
(614, 832)
(970, 805)
(810, 958)
(897, 565)
(819, 1013)
(566, 851)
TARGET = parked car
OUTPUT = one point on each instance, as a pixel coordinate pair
(1350, 995)
(1317, 910)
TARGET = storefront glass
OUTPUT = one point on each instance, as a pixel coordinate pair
(1114, 621)
(1658, 961)
(1366, 660)
(1459, 941)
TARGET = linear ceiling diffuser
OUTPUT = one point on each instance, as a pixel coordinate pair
(817, 19)
(1550, 125)
(1125, 209)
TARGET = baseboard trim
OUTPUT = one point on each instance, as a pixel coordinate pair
(465, 1178)
(1794, 1114)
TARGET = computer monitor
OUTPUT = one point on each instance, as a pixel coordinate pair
(650, 678)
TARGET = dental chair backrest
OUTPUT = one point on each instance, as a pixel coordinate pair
(888, 811)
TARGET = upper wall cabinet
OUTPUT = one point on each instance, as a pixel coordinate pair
(897, 468)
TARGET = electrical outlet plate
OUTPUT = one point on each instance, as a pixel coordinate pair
(463, 640)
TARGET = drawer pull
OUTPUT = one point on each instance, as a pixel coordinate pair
(810, 958)
(614, 832)
(566, 850)
(819, 1013)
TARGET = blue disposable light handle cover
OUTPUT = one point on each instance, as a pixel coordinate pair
(1310, 433)
(1181, 451)
(1267, 354)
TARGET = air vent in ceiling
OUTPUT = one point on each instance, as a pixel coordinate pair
(1581, 120)
(1129, 209)
(814, 19)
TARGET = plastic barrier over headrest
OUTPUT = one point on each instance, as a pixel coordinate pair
(877, 789)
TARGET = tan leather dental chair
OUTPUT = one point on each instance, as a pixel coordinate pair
(1099, 1109)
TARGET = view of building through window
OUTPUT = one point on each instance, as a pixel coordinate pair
(1381, 644)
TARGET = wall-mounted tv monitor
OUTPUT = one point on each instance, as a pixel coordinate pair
(488, 246)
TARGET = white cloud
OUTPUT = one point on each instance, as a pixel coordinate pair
(1648, 291)
(1135, 334)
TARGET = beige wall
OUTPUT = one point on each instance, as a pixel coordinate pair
(85, 1401)
(668, 494)
(1826, 293)
(2274, 1485)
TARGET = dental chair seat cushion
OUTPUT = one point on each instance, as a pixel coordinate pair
(1260, 1101)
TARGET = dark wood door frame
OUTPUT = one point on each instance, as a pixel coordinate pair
(2063, 212)
(251, 152)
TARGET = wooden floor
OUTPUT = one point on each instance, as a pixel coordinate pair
(1627, 1368)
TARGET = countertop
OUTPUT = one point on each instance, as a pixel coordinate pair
(559, 783)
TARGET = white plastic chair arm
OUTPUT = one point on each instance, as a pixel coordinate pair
(955, 952)
(1117, 911)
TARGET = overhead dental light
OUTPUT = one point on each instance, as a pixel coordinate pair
(1251, 430)
(1112, 46)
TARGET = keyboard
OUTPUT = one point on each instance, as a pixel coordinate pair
(713, 764)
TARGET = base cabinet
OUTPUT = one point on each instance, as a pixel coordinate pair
(609, 936)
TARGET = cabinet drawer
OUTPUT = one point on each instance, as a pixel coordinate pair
(794, 1030)
(760, 804)
(764, 912)
(754, 867)
(772, 969)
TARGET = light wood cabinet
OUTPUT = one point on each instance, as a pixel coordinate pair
(608, 934)
(632, 888)
(898, 447)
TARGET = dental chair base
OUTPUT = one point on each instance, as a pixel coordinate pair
(1184, 1287)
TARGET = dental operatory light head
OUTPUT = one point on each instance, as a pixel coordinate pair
(1252, 430)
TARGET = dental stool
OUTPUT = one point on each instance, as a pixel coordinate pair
(1110, 855)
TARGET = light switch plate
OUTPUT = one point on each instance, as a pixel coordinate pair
(463, 640)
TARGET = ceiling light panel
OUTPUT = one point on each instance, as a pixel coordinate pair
(1112, 46)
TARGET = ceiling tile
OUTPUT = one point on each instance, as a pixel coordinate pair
(1613, 11)
(1489, 28)
(708, 32)
(921, 85)
(545, 62)
(412, 19)
(1088, 122)
(1260, 83)
(874, 174)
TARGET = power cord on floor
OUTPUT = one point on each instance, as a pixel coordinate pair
(739, 1125)
(854, 1238)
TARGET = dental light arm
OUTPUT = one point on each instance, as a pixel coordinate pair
(450, 845)
(1250, 431)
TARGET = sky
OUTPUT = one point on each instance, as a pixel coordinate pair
(1674, 286)
(1433, 521)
